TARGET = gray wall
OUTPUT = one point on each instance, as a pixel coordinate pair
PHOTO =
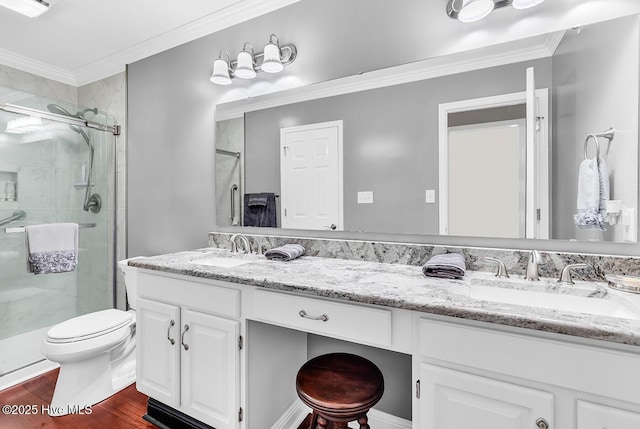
(590, 94)
(390, 143)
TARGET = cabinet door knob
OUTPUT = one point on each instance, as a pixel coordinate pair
(542, 424)
(171, 325)
(186, 346)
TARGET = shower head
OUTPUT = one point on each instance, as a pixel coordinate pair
(77, 129)
(54, 108)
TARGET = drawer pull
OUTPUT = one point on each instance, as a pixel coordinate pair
(542, 424)
(186, 346)
(171, 324)
(304, 314)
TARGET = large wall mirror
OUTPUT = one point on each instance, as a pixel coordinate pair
(509, 149)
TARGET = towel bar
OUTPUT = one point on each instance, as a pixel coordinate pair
(21, 228)
(606, 134)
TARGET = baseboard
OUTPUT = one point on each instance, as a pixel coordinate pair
(19, 376)
(297, 411)
(292, 417)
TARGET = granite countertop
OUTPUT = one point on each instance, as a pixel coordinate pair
(405, 287)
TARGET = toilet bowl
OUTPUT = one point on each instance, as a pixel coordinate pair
(96, 353)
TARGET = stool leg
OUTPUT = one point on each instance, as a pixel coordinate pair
(364, 422)
(322, 422)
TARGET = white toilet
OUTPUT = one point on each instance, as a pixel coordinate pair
(96, 353)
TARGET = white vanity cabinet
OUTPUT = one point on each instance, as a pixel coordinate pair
(188, 348)
(469, 375)
(452, 399)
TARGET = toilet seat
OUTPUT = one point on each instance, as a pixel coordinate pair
(89, 326)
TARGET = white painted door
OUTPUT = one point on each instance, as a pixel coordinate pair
(311, 176)
(210, 369)
(538, 206)
(597, 416)
(452, 399)
(157, 351)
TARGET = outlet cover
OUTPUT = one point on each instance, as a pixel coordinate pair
(365, 197)
(430, 196)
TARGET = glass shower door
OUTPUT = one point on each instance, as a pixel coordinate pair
(45, 168)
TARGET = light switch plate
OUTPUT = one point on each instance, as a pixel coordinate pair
(430, 196)
(365, 197)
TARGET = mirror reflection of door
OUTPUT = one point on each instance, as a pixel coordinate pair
(486, 161)
(486, 178)
(311, 176)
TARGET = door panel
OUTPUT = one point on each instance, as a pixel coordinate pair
(158, 366)
(210, 367)
(455, 399)
(311, 176)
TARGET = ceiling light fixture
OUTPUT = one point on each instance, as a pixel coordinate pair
(248, 64)
(30, 8)
(475, 10)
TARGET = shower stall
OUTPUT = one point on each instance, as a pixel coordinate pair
(229, 138)
(57, 164)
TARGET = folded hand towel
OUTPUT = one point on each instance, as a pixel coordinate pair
(51, 248)
(285, 253)
(446, 266)
(593, 192)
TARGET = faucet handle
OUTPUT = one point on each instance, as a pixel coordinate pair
(502, 269)
(565, 274)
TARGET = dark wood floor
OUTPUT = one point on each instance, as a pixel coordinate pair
(123, 410)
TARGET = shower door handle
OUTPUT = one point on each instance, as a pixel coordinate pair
(171, 325)
(186, 346)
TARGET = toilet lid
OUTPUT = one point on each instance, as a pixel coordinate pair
(89, 325)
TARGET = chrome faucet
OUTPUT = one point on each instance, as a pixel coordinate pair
(245, 243)
(532, 266)
(262, 247)
(502, 269)
(565, 274)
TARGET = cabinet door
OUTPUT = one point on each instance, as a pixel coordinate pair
(210, 369)
(157, 345)
(596, 416)
(452, 399)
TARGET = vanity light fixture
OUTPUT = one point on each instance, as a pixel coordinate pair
(30, 8)
(248, 64)
(475, 10)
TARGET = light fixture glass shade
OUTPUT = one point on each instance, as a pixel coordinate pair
(525, 4)
(30, 8)
(244, 68)
(271, 62)
(220, 74)
(475, 10)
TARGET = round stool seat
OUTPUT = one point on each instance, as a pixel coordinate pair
(340, 388)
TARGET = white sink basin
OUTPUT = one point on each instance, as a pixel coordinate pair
(221, 262)
(554, 301)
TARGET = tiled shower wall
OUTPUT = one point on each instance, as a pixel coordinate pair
(108, 95)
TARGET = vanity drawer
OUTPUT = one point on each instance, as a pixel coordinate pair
(206, 295)
(350, 322)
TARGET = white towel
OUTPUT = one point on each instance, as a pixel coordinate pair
(593, 192)
(51, 248)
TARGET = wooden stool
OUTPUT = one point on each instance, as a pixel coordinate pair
(339, 388)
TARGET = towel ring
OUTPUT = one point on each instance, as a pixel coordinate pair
(586, 144)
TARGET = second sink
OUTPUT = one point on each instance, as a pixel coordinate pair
(554, 301)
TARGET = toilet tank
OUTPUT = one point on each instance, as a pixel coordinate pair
(130, 280)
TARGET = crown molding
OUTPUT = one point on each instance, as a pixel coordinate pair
(29, 65)
(110, 65)
(492, 56)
